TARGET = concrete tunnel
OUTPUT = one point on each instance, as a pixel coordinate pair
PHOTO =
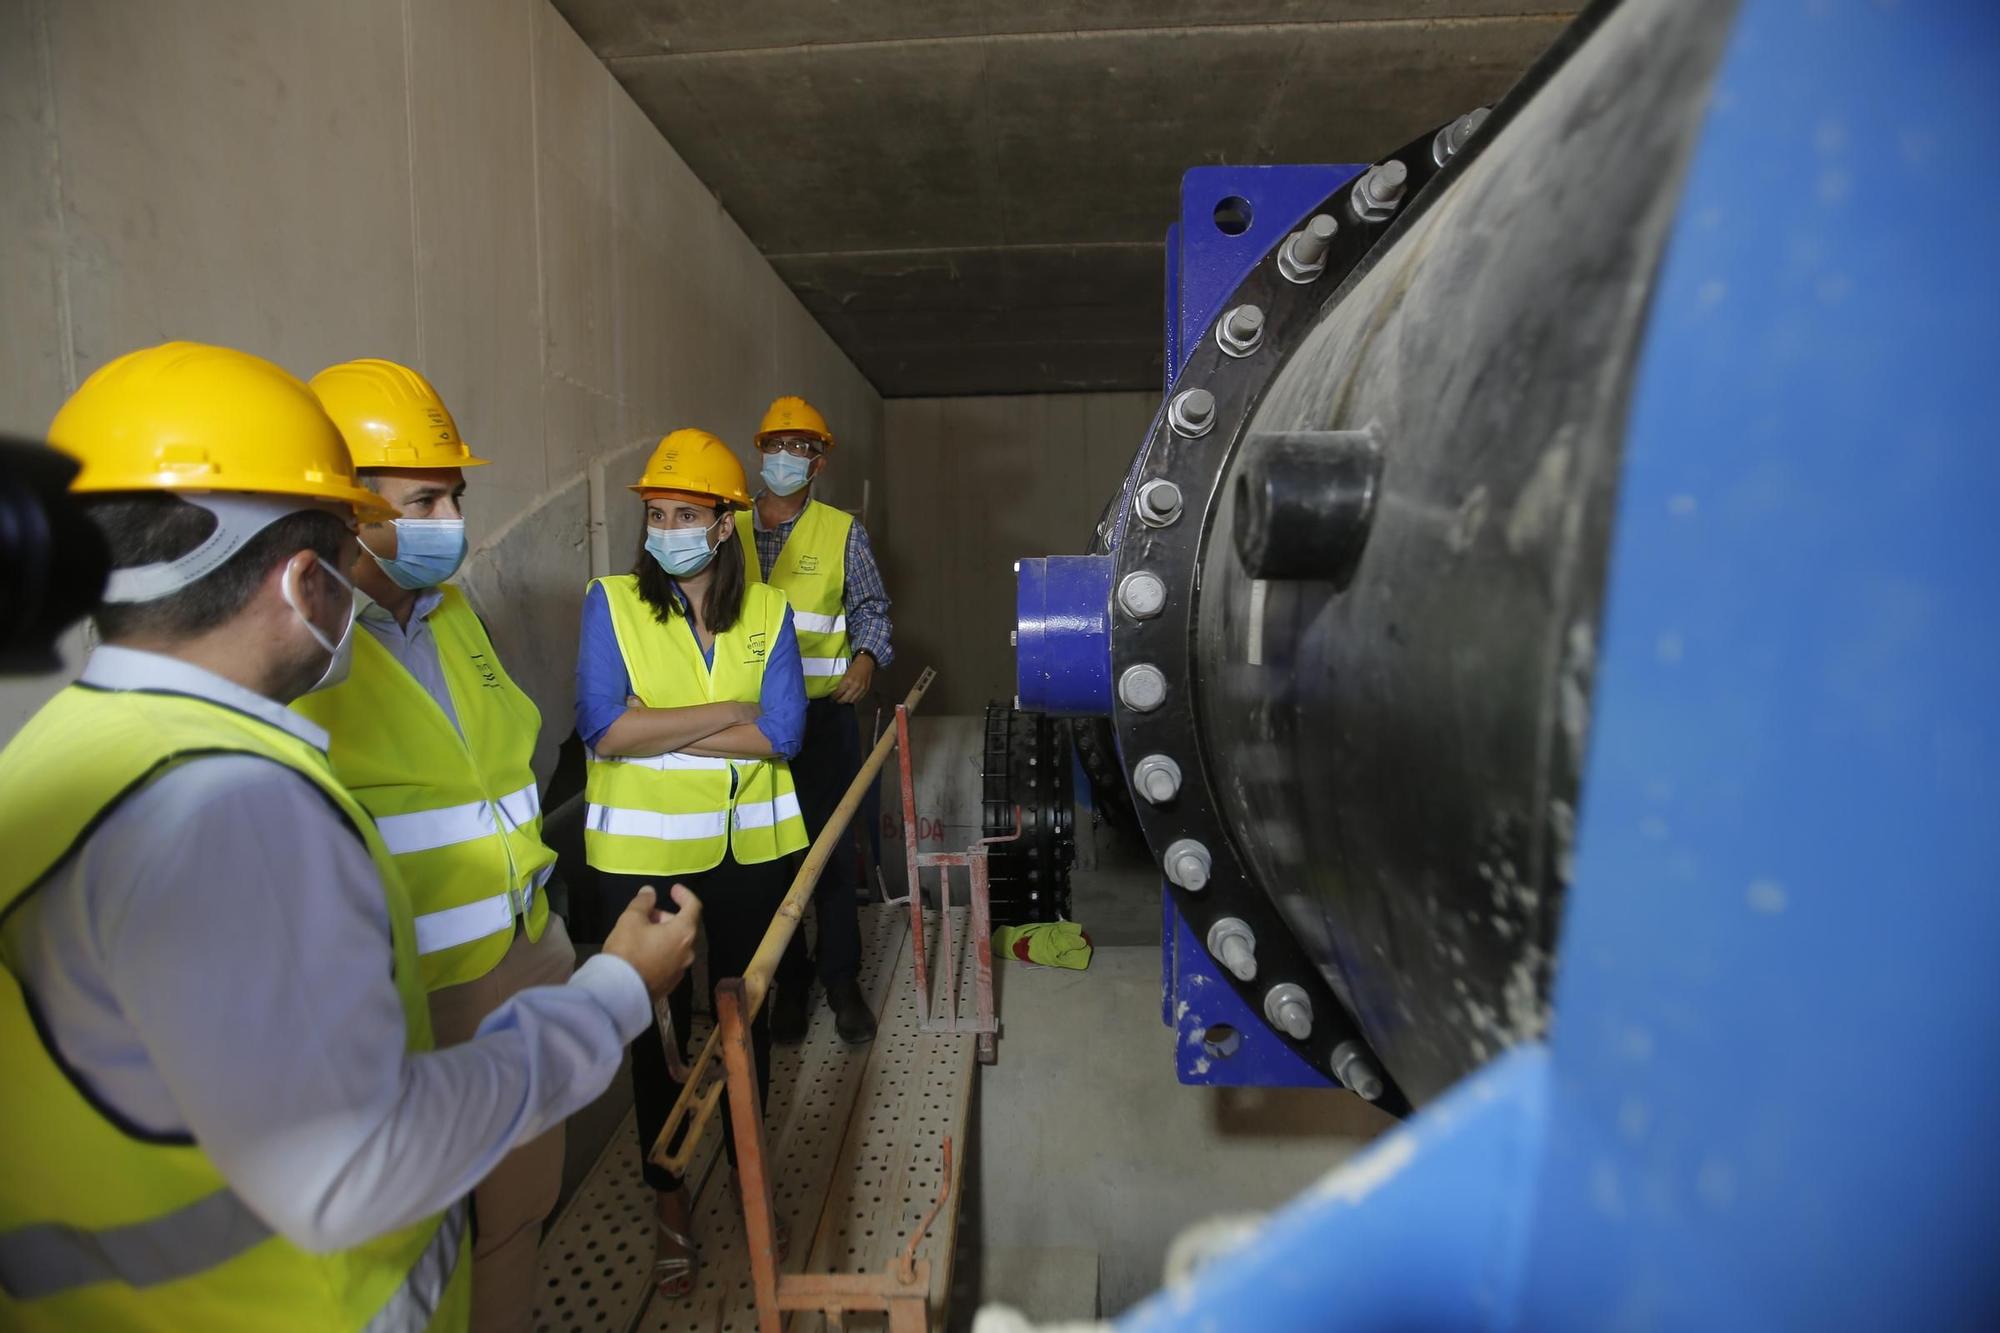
(1284, 430)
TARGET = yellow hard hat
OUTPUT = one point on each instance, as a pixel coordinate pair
(391, 416)
(696, 463)
(189, 417)
(794, 416)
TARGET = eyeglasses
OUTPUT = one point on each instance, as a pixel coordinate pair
(795, 445)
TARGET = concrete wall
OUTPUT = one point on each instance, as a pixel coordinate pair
(974, 484)
(457, 184)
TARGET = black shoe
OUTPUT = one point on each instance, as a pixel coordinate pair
(851, 1018)
(789, 1013)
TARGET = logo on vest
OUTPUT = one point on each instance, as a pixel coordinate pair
(487, 675)
(757, 647)
(808, 564)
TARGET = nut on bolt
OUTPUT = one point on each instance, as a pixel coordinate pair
(1232, 942)
(1143, 687)
(1158, 503)
(1142, 594)
(1290, 1009)
(1356, 1072)
(1192, 413)
(1187, 864)
(1377, 193)
(1303, 255)
(1241, 330)
(1158, 778)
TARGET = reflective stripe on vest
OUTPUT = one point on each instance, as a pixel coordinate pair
(457, 805)
(423, 830)
(415, 1304)
(661, 762)
(453, 926)
(99, 1228)
(819, 624)
(42, 1261)
(671, 813)
(822, 666)
(811, 570)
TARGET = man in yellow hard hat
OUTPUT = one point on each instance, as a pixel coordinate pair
(435, 740)
(821, 558)
(223, 1110)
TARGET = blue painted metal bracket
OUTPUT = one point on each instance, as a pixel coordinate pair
(1204, 264)
(1062, 639)
(1218, 1039)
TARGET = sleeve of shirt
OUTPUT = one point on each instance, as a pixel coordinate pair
(867, 600)
(782, 703)
(250, 952)
(602, 683)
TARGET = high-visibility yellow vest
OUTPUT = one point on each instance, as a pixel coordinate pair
(101, 1228)
(461, 814)
(674, 814)
(811, 570)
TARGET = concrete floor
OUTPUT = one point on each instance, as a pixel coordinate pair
(1085, 1141)
(1068, 1211)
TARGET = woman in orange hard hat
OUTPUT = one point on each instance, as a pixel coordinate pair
(691, 698)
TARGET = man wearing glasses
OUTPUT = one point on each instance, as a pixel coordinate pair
(820, 557)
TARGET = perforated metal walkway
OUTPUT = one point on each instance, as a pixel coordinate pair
(855, 1134)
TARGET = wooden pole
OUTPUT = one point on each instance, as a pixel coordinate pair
(757, 976)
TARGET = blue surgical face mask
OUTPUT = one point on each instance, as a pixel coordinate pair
(680, 551)
(428, 551)
(785, 474)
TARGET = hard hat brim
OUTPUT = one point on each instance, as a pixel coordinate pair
(678, 492)
(819, 435)
(368, 507)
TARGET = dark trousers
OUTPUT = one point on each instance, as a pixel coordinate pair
(828, 759)
(737, 904)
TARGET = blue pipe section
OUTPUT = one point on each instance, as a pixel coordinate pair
(1766, 1101)
(1412, 1234)
(1062, 643)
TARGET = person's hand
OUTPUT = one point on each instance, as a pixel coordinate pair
(658, 944)
(748, 713)
(860, 675)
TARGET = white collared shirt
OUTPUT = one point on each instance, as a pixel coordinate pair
(213, 962)
(413, 645)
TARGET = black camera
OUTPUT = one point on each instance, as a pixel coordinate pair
(53, 555)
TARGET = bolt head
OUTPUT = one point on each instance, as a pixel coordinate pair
(1241, 330)
(1158, 778)
(1142, 594)
(1374, 196)
(1288, 1007)
(1143, 687)
(1189, 871)
(1159, 502)
(1193, 411)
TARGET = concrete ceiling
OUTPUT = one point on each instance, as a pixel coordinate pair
(971, 195)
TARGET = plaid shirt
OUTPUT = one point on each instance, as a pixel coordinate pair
(866, 601)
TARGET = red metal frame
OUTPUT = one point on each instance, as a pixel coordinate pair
(902, 1290)
(945, 1017)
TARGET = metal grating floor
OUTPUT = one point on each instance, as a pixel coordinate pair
(842, 1164)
